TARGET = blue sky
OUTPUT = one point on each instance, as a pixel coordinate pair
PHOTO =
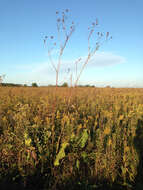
(24, 58)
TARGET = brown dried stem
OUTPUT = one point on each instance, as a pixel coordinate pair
(61, 28)
(91, 52)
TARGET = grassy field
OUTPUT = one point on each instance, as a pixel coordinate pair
(75, 138)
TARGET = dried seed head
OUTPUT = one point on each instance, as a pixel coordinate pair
(107, 34)
(67, 10)
(58, 20)
(52, 37)
(46, 37)
(57, 12)
(97, 47)
(96, 21)
(93, 24)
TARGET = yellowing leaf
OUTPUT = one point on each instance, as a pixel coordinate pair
(121, 117)
(61, 154)
(28, 142)
(107, 131)
(109, 142)
(83, 138)
(127, 149)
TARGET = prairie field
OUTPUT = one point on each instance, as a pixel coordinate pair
(75, 138)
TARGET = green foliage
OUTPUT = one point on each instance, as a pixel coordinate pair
(61, 154)
(34, 84)
(83, 139)
(65, 84)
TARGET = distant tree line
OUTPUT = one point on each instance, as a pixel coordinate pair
(34, 84)
(11, 84)
(65, 84)
(18, 85)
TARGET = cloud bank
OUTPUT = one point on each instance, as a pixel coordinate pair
(44, 73)
(101, 59)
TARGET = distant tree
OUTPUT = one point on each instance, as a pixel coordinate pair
(50, 85)
(65, 84)
(25, 85)
(108, 86)
(87, 85)
(34, 84)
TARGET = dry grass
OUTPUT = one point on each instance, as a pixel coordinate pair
(92, 136)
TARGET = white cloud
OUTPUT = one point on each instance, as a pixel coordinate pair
(101, 59)
(44, 73)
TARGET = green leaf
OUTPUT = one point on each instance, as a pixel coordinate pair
(61, 154)
(72, 137)
(84, 155)
(77, 164)
(83, 138)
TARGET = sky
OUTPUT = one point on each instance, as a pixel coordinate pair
(24, 56)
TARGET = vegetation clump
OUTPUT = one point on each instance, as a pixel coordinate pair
(90, 139)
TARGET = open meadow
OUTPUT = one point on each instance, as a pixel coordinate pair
(84, 138)
(71, 95)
